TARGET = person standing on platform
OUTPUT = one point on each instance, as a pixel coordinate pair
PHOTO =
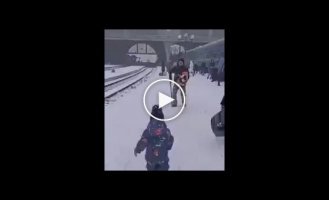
(181, 77)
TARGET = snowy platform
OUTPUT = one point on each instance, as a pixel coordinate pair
(195, 146)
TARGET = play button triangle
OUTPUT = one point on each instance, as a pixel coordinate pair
(164, 99)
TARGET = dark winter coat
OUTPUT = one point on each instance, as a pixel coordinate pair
(162, 66)
(178, 71)
(157, 140)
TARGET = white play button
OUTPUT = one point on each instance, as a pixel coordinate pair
(164, 100)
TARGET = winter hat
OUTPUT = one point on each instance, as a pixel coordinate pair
(157, 112)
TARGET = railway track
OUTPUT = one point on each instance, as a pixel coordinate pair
(114, 67)
(126, 82)
(117, 79)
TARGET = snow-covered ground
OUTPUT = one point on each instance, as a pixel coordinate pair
(122, 70)
(195, 146)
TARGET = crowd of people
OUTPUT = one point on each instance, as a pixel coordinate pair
(213, 69)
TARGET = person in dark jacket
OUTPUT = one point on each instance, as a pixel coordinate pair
(195, 69)
(222, 116)
(221, 73)
(213, 71)
(181, 77)
(209, 71)
(162, 67)
(157, 140)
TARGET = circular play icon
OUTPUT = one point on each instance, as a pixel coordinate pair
(163, 99)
